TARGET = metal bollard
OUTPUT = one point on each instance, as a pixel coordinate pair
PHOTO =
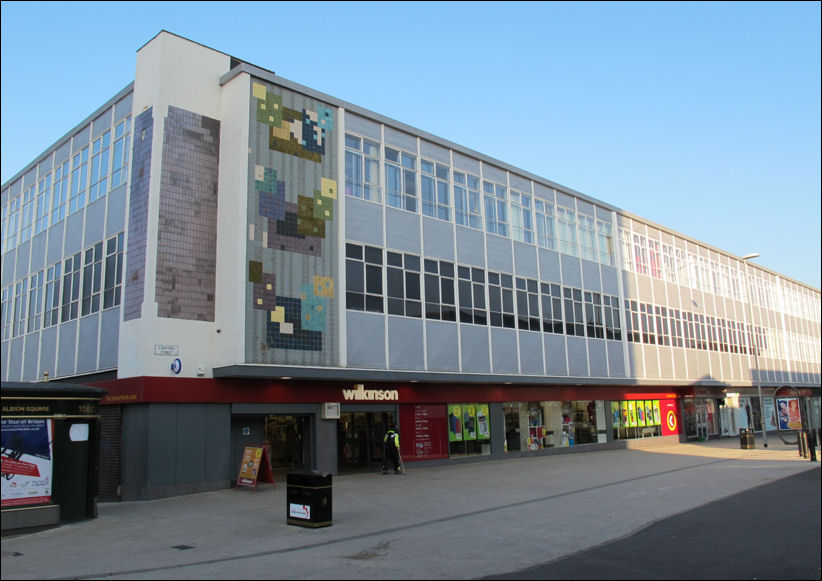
(801, 443)
(803, 438)
(812, 445)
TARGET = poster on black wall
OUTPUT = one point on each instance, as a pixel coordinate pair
(27, 460)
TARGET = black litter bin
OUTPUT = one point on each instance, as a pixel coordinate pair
(746, 438)
(308, 496)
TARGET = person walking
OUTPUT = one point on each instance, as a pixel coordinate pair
(391, 451)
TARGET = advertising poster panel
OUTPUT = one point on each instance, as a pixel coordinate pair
(788, 416)
(469, 421)
(615, 414)
(27, 461)
(632, 414)
(455, 423)
(670, 417)
(483, 424)
(649, 413)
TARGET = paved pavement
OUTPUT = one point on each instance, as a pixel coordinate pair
(472, 520)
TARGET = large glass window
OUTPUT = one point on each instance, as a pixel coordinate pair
(467, 210)
(27, 221)
(12, 224)
(19, 312)
(5, 316)
(35, 301)
(522, 225)
(92, 279)
(544, 215)
(613, 328)
(501, 300)
(120, 153)
(594, 325)
(363, 267)
(403, 284)
(586, 237)
(640, 254)
(41, 218)
(113, 282)
(574, 320)
(567, 231)
(496, 208)
(401, 179)
(362, 168)
(440, 296)
(605, 243)
(51, 309)
(58, 200)
(472, 295)
(528, 304)
(71, 288)
(99, 167)
(551, 308)
(79, 179)
(654, 259)
(436, 201)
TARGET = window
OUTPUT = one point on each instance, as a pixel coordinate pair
(35, 301)
(675, 322)
(41, 218)
(403, 284)
(71, 288)
(5, 315)
(522, 224)
(58, 200)
(19, 312)
(551, 308)
(501, 300)
(640, 255)
(99, 167)
(436, 201)
(594, 325)
(632, 328)
(567, 231)
(467, 210)
(12, 223)
(92, 279)
(544, 213)
(79, 167)
(401, 179)
(440, 297)
(605, 243)
(362, 168)
(363, 268)
(528, 304)
(654, 259)
(688, 330)
(574, 321)
(27, 221)
(472, 295)
(664, 337)
(114, 272)
(646, 318)
(586, 237)
(120, 151)
(51, 309)
(496, 212)
(613, 328)
(669, 262)
(627, 250)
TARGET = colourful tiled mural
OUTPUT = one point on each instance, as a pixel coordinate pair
(292, 233)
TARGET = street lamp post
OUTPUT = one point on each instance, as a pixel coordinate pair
(755, 348)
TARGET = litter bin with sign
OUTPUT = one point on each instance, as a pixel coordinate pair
(746, 438)
(308, 496)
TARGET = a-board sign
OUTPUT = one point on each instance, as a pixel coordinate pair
(255, 467)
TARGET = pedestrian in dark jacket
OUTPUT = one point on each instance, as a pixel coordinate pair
(391, 451)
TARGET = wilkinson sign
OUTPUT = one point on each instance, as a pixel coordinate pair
(359, 393)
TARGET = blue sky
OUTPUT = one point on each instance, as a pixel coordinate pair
(701, 117)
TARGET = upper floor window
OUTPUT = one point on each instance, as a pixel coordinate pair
(544, 214)
(574, 320)
(567, 231)
(586, 237)
(120, 153)
(60, 194)
(436, 200)
(12, 224)
(501, 300)
(362, 168)
(551, 307)
(92, 279)
(496, 208)
(41, 216)
(640, 254)
(113, 282)
(79, 178)
(27, 222)
(605, 243)
(363, 271)
(99, 167)
(472, 295)
(522, 224)
(401, 179)
(403, 284)
(528, 304)
(35, 301)
(595, 327)
(51, 308)
(467, 208)
(440, 296)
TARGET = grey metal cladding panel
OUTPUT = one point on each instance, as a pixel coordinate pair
(616, 359)
(500, 253)
(530, 353)
(363, 222)
(571, 271)
(16, 189)
(555, 355)
(402, 230)
(48, 350)
(4, 359)
(437, 239)
(109, 337)
(603, 214)
(45, 166)
(22, 260)
(504, 350)
(520, 183)
(543, 192)
(217, 437)
(67, 353)
(95, 221)
(87, 345)
(136, 424)
(525, 260)
(442, 346)
(673, 301)
(9, 266)
(400, 139)
(651, 359)
(435, 152)
(549, 269)
(585, 207)
(190, 444)
(590, 276)
(565, 200)
(74, 233)
(475, 352)
(405, 344)
(38, 252)
(470, 247)
(116, 211)
(123, 107)
(54, 250)
(101, 124)
(30, 366)
(62, 153)
(610, 280)
(490, 172)
(467, 164)
(15, 360)
(597, 360)
(362, 126)
(4, 197)
(80, 139)
(365, 340)
(577, 357)
(163, 459)
(666, 364)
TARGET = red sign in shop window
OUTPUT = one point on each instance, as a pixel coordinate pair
(423, 432)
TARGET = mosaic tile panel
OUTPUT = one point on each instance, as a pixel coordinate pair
(187, 232)
(138, 216)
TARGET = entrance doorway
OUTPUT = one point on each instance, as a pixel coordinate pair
(287, 436)
(360, 439)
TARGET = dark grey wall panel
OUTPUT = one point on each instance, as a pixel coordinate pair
(116, 211)
(405, 343)
(123, 107)
(571, 271)
(504, 350)
(400, 139)
(490, 172)
(402, 230)
(74, 233)
(38, 252)
(530, 353)
(363, 126)
(9, 266)
(363, 221)
(555, 363)
(54, 251)
(597, 362)
(101, 124)
(191, 447)
(67, 348)
(365, 340)
(48, 350)
(435, 152)
(217, 436)
(616, 359)
(465, 163)
(22, 260)
(87, 345)
(15, 360)
(525, 260)
(109, 337)
(500, 253)
(438, 239)
(590, 276)
(32, 357)
(470, 247)
(162, 444)
(4, 359)
(134, 459)
(577, 357)
(475, 352)
(610, 282)
(443, 346)
(95, 222)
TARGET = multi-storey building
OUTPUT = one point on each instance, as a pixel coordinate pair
(239, 259)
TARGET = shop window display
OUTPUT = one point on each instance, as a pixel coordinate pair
(469, 429)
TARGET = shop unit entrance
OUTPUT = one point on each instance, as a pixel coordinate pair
(360, 438)
(287, 436)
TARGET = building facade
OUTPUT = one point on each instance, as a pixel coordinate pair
(240, 260)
